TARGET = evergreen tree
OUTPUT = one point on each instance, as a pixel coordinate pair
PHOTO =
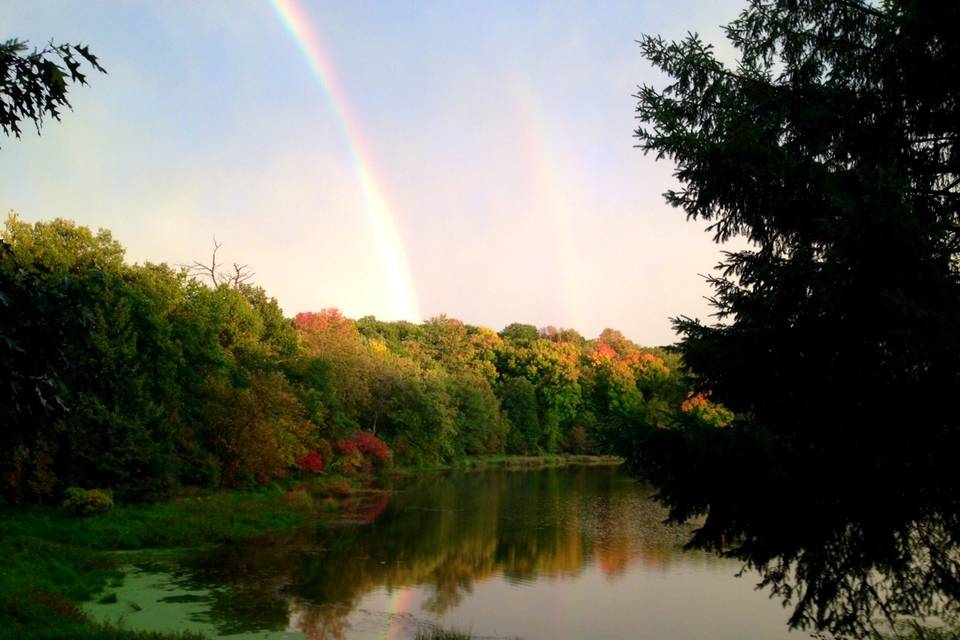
(832, 147)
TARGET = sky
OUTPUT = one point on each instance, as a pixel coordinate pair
(397, 159)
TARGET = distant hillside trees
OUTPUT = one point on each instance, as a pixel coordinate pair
(141, 378)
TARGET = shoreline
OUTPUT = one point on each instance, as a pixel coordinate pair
(54, 561)
(512, 463)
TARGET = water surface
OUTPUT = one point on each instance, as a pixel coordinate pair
(577, 552)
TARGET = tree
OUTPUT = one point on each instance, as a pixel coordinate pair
(34, 85)
(518, 398)
(446, 341)
(832, 148)
(520, 333)
(258, 431)
(615, 340)
(481, 428)
(553, 369)
(328, 335)
(89, 367)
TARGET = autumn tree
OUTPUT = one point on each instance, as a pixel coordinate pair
(330, 337)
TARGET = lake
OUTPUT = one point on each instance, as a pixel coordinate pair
(573, 552)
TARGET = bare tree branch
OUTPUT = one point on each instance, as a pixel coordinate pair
(240, 275)
(207, 271)
(236, 277)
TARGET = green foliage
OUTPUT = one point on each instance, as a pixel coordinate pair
(518, 397)
(420, 419)
(831, 146)
(554, 370)
(256, 432)
(520, 333)
(92, 365)
(480, 425)
(87, 502)
(140, 378)
(116, 371)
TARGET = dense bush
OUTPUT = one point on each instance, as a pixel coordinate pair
(371, 447)
(311, 462)
(87, 502)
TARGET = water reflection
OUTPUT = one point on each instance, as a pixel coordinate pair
(476, 551)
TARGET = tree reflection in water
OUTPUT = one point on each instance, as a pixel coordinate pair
(444, 533)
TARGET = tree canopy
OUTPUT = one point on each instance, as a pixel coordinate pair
(832, 148)
(142, 378)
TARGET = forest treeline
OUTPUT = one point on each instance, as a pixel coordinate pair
(140, 378)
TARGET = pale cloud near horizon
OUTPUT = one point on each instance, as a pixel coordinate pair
(516, 189)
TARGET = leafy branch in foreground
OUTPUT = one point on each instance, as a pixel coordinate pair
(34, 85)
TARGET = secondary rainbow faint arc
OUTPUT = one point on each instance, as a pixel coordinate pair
(399, 279)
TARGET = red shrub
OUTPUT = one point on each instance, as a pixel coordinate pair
(348, 448)
(372, 446)
(363, 450)
(312, 462)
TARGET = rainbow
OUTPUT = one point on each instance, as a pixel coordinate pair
(401, 601)
(403, 296)
(553, 196)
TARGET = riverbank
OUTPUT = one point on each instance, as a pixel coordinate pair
(504, 461)
(52, 561)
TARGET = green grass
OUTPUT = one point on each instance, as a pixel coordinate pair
(184, 522)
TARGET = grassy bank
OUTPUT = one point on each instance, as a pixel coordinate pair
(52, 561)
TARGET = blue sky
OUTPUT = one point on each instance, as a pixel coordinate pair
(502, 133)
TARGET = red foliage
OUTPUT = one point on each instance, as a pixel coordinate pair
(603, 352)
(371, 445)
(312, 462)
(364, 450)
(327, 320)
(347, 448)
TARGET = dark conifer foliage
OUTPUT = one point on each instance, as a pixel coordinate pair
(832, 147)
